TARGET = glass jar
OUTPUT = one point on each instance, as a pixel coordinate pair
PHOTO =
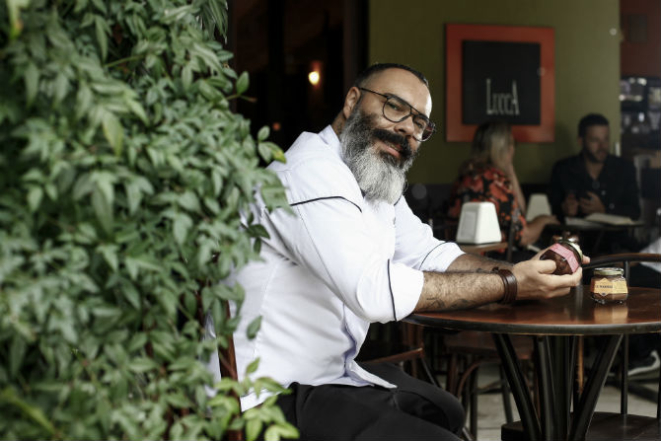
(566, 235)
(567, 256)
(608, 285)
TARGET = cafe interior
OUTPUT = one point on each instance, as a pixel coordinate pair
(588, 56)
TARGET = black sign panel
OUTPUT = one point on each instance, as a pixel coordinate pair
(501, 81)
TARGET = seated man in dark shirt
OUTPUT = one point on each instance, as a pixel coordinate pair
(594, 181)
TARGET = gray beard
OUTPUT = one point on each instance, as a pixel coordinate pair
(380, 177)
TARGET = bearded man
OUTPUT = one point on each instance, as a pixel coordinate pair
(349, 253)
(594, 181)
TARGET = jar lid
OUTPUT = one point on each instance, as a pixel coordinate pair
(573, 246)
(610, 271)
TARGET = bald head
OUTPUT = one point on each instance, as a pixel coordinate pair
(403, 82)
(377, 68)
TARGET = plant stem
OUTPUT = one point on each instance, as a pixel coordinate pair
(123, 60)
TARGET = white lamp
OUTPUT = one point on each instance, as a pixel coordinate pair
(478, 223)
(538, 204)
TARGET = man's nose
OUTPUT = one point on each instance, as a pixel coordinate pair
(406, 126)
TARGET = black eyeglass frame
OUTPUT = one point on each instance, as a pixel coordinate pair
(418, 114)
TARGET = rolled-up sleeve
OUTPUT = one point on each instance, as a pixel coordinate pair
(416, 251)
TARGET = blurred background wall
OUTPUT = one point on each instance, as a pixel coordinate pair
(587, 68)
(607, 60)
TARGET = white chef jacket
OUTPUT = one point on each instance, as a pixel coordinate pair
(328, 270)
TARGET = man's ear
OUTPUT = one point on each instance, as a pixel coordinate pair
(350, 101)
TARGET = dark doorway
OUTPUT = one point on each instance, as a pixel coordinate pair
(279, 43)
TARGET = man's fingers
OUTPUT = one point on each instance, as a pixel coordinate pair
(569, 279)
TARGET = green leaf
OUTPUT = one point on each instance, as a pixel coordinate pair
(109, 253)
(187, 76)
(51, 191)
(131, 295)
(100, 5)
(100, 26)
(61, 87)
(217, 181)
(31, 83)
(142, 364)
(265, 152)
(35, 195)
(113, 131)
(83, 100)
(242, 83)
(253, 327)
(189, 201)
(103, 209)
(253, 428)
(263, 133)
(16, 353)
(105, 183)
(138, 341)
(137, 110)
(180, 227)
(252, 367)
(83, 186)
(281, 431)
(178, 399)
(257, 230)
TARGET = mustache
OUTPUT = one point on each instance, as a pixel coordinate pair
(386, 136)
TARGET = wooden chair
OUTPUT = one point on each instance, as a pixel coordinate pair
(643, 428)
(400, 343)
(468, 351)
(228, 369)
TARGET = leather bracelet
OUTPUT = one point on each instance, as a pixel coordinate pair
(511, 288)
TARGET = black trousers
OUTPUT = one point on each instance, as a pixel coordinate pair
(414, 410)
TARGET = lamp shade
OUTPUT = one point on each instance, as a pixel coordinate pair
(478, 223)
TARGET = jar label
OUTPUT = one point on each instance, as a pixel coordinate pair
(607, 286)
(568, 256)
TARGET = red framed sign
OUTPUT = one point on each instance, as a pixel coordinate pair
(500, 72)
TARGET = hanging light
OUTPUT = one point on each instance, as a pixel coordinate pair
(314, 72)
(313, 77)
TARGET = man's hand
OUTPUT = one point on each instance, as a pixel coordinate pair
(535, 278)
(570, 205)
(591, 204)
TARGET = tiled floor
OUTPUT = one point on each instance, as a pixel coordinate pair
(491, 415)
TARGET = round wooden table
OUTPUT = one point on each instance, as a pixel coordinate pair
(555, 325)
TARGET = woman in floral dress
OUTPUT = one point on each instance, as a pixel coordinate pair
(489, 176)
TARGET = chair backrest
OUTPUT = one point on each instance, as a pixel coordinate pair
(624, 259)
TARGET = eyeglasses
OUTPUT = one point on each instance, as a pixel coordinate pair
(396, 110)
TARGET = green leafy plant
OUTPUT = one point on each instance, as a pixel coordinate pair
(123, 173)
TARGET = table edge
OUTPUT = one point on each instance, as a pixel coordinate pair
(536, 329)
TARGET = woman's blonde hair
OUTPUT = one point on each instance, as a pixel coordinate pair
(491, 142)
